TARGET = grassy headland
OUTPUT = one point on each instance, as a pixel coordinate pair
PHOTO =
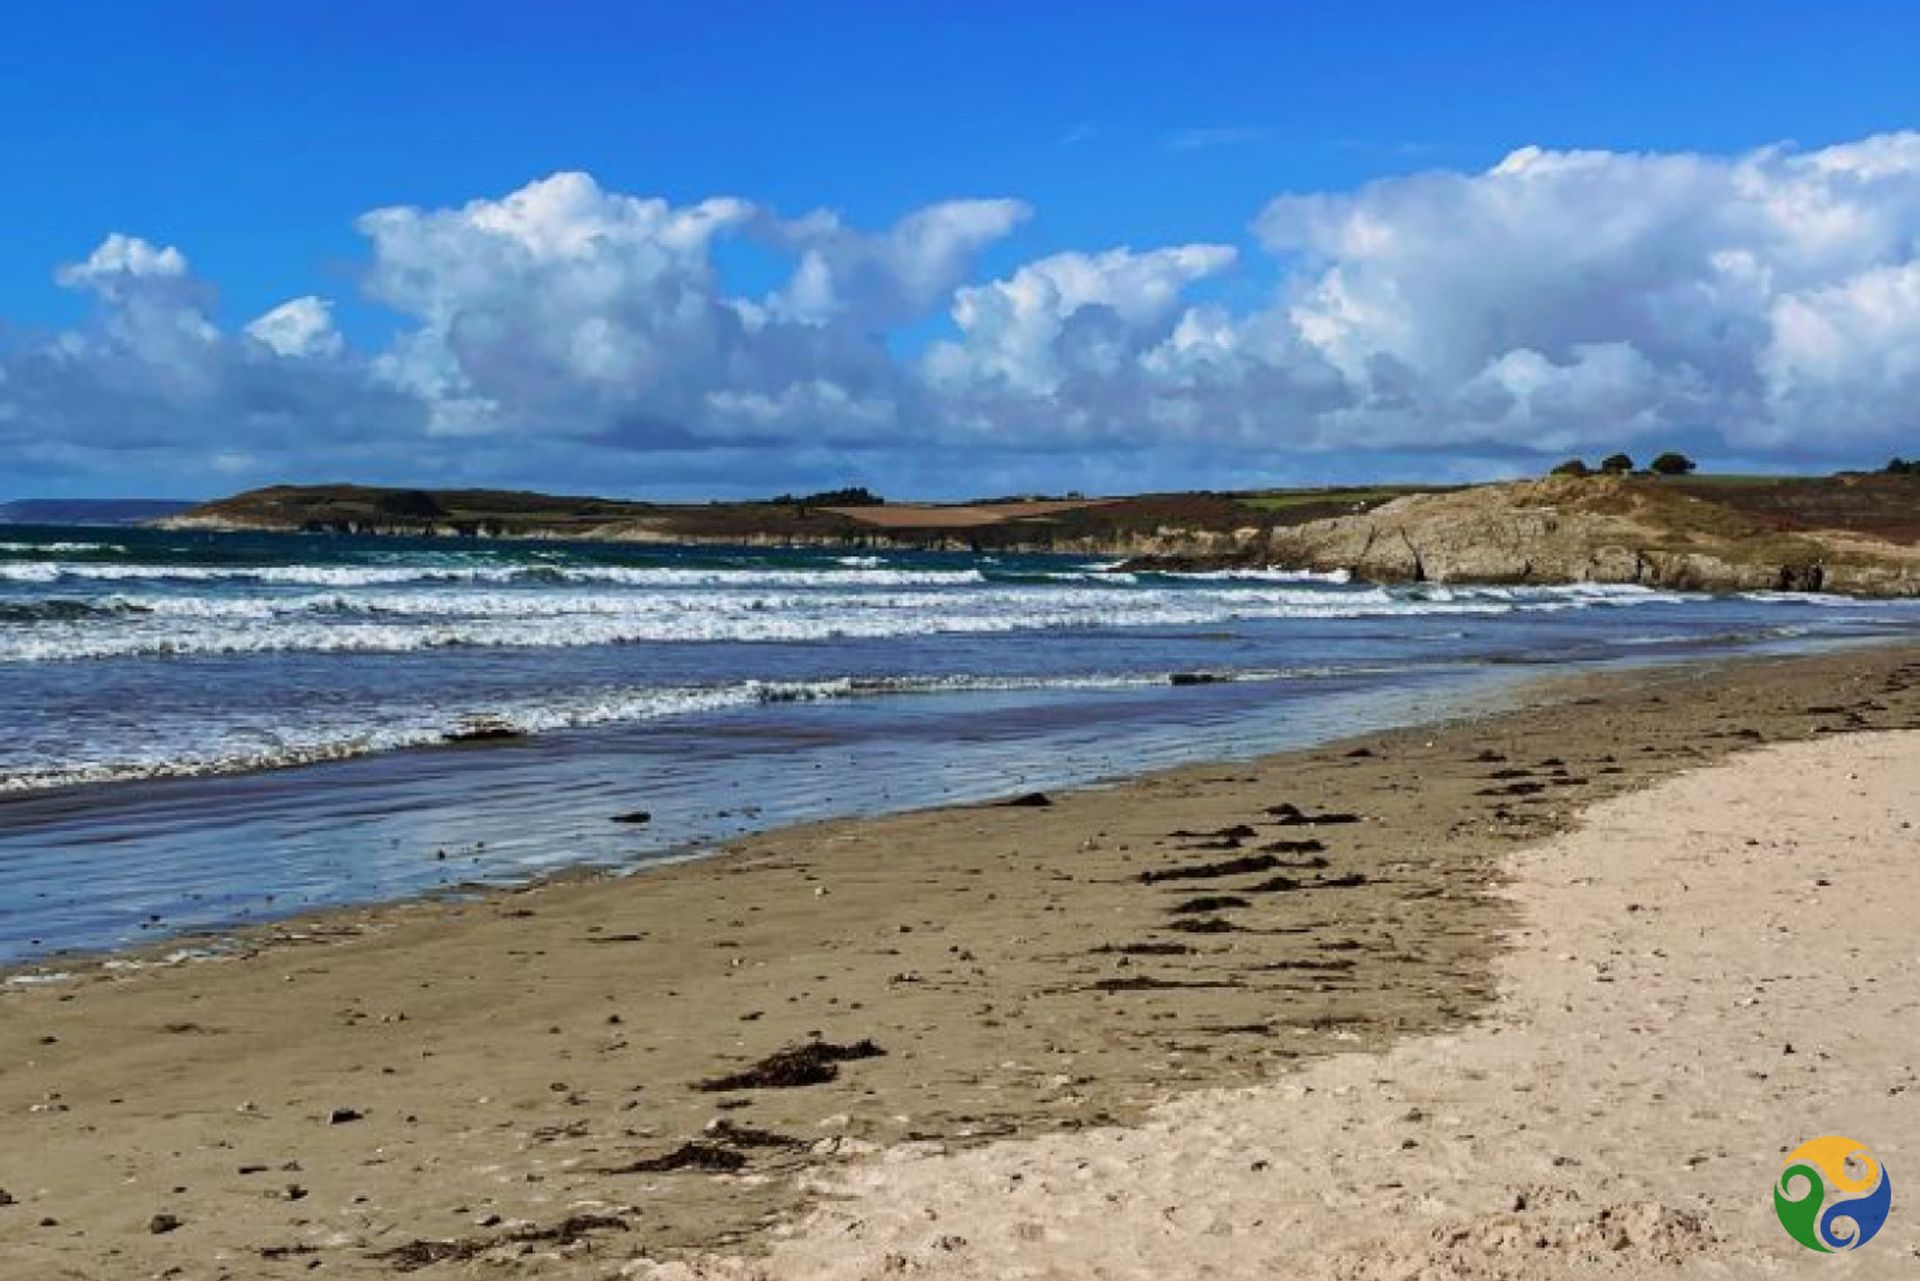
(1854, 532)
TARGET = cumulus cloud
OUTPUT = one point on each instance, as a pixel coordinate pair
(561, 301)
(568, 310)
(152, 387)
(121, 258)
(1763, 306)
(1069, 313)
(154, 311)
(1598, 294)
(891, 277)
(300, 327)
(1847, 357)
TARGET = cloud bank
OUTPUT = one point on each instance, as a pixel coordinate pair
(1763, 307)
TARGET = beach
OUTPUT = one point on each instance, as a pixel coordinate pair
(585, 1077)
(1684, 1005)
(865, 642)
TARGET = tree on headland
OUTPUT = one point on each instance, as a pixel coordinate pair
(1904, 467)
(1671, 464)
(856, 496)
(1572, 467)
(1616, 464)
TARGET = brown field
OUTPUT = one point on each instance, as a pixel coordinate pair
(965, 516)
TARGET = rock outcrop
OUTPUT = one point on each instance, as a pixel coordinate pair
(1580, 530)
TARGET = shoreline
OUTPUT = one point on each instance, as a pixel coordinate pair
(1443, 706)
(1023, 970)
(1455, 707)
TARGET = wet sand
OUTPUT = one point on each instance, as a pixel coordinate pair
(513, 1085)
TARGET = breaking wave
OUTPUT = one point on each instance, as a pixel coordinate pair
(261, 743)
(391, 620)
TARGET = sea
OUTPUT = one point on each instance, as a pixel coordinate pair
(200, 731)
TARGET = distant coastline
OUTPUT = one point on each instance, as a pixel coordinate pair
(1853, 533)
(89, 511)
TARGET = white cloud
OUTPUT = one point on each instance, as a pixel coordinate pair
(895, 275)
(152, 387)
(1069, 313)
(1690, 278)
(119, 258)
(300, 327)
(564, 310)
(154, 310)
(1845, 358)
(1763, 306)
(559, 300)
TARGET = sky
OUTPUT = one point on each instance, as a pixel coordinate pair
(949, 250)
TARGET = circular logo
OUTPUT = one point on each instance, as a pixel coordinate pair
(1832, 1195)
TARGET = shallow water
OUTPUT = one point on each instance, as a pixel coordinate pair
(201, 729)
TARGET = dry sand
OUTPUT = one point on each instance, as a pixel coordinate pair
(507, 1087)
(1705, 975)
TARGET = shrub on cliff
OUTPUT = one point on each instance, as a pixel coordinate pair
(1904, 467)
(1572, 467)
(1671, 464)
(1616, 464)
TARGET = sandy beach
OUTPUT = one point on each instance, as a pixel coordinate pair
(856, 642)
(1507, 997)
(1704, 975)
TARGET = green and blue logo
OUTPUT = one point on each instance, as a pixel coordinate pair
(1833, 1195)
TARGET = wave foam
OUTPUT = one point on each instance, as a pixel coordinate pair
(353, 576)
(62, 549)
(154, 625)
(260, 745)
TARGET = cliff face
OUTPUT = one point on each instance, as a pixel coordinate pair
(1593, 530)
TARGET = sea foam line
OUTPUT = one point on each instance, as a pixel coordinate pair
(394, 621)
(311, 743)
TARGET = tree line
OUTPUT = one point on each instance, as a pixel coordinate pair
(1672, 464)
(1667, 464)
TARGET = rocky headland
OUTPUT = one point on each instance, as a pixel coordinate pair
(1851, 533)
(1606, 530)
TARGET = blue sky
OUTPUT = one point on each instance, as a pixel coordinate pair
(255, 137)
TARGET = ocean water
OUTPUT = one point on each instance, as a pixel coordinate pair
(198, 730)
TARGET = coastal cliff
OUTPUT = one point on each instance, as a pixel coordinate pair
(1613, 530)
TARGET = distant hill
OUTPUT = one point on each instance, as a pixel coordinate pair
(87, 511)
(1143, 525)
(1853, 532)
